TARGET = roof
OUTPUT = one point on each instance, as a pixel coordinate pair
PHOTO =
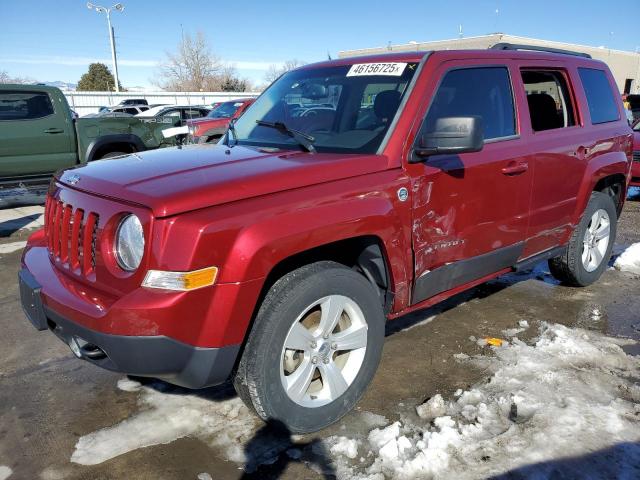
(417, 56)
(34, 87)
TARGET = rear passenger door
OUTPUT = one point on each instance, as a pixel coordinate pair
(551, 129)
(470, 211)
(36, 137)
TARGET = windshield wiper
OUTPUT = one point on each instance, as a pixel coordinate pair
(304, 139)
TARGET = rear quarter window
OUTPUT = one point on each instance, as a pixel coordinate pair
(24, 105)
(600, 98)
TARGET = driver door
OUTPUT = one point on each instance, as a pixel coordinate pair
(470, 211)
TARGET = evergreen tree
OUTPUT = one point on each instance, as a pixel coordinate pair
(97, 79)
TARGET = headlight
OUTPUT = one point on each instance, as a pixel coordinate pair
(129, 243)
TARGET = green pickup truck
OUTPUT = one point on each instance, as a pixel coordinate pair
(39, 135)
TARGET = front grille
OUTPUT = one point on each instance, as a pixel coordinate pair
(636, 156)
(71, 236)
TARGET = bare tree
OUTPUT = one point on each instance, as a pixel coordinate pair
(6, 78)
(194, 67)
(274, 71)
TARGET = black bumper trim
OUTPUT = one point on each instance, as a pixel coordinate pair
(152, 356)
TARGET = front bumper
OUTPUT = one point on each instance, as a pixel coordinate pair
(155, 356)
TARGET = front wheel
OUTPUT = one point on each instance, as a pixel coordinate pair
(314, 348)
(590, 246)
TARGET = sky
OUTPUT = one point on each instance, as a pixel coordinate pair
(55, 40)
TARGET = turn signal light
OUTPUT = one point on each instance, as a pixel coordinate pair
(181, 281)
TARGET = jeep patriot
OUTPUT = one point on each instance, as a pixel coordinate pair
(275, 257)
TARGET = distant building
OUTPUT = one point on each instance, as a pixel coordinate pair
(625, 66)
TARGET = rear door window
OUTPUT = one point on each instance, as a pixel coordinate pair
(549, 100)
(481, 91)
(24, 105)
(602, 104)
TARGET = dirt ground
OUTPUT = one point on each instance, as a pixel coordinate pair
(49, 399)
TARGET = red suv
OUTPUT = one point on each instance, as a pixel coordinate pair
(275, 257)
(215, 124)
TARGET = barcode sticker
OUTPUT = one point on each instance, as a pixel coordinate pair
(362, 69)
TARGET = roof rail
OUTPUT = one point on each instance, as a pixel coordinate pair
(535, 48)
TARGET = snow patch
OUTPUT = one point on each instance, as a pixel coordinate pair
(345, 446)
(12, 247)
(128, 385)
(434, 407)
(169, 414)
(571, 384)
(629, 260)
(204, 476)
(5, 472)
(373, 419)
(421, 323)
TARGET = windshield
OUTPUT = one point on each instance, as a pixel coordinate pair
(343, 108)
(225, 110)
(636, 126)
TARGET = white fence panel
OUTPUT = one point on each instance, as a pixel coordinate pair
(90, 102)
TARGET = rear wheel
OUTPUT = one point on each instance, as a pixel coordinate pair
(314, 348)
(590, 246)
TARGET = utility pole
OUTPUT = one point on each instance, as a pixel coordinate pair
(119, 7)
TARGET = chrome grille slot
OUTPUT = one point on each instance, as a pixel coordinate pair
(71, 236)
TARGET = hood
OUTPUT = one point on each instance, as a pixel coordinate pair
(175, 180)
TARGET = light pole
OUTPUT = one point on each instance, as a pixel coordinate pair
(119, 7)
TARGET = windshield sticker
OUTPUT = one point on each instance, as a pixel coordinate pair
(390, 69)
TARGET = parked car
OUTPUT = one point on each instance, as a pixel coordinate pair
(136, 102)
(215, 124)
(635, 169)
(131, 110)
(39, 133)
(634, 102)
(276, 257)
(181, 113)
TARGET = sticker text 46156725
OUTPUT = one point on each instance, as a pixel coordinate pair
(392, 69)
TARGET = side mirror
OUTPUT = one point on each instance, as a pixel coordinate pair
(451, 135)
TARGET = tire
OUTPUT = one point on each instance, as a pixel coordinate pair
(266, 366)
(112, 155)
(571, 268)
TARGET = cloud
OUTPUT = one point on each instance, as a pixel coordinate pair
(82, 61)
(75, 61)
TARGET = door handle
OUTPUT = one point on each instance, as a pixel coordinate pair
(54, 130)
(515, 168)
